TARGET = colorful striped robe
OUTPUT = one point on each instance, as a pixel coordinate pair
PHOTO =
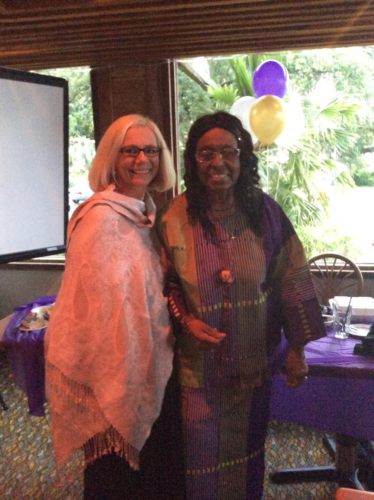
(225, 393)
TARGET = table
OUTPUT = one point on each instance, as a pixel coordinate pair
(26, 355)
(338, 397)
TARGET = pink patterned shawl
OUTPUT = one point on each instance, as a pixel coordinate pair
(108, 346)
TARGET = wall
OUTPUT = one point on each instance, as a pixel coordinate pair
(368, 285)
(20, 284)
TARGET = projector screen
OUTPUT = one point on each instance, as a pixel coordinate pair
(33, 165)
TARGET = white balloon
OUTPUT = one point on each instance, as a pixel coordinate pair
(241, 109)
(294, 124)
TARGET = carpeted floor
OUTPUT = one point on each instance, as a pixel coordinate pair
(27, 469)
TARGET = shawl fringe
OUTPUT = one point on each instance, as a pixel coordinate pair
(108, 442)
(80, 395)
(83, 400)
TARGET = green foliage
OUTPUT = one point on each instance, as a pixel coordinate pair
(329, 239)
(194, 101)
(243, 76)
(226, 94)
(293, 177)
(339, 126)
(80, 103)
(364, 175)
(352, 71)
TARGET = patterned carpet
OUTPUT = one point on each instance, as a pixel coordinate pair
(27, 469)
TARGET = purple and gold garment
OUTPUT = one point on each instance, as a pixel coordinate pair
(248, 287)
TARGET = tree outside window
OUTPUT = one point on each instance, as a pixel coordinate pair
(81, 131)
(324, 179)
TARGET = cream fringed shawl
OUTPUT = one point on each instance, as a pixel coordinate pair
(108, 346)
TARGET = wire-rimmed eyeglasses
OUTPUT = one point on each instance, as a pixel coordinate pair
(133, 151)
(207, 155)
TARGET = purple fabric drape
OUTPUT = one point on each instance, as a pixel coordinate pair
(337, 397)
(26, 355)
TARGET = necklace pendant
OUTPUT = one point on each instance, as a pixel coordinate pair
(226, 277)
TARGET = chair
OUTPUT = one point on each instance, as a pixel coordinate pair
(349, 494)
(334, 274)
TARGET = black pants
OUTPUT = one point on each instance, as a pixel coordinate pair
(111, 478)
(161, 475)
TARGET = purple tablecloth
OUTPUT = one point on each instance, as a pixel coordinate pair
(26, 355)
(334, 357)
(338, 396)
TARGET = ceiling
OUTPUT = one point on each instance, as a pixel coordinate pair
(37, 34)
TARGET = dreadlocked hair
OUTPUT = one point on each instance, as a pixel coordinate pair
(247, 189)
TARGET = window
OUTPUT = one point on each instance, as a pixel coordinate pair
(81, 131)
(81, 135)
(321, 168)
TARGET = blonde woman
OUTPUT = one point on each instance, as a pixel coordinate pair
(109, 347)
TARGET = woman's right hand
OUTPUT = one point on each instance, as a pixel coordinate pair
(207, 338)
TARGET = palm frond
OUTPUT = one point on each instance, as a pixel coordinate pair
(227, 94)
(298, 208)
(337, 112)
(243, 78)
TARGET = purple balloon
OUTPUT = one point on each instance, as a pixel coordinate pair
(270, 78)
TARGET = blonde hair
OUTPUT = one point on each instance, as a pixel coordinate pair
(102, 171)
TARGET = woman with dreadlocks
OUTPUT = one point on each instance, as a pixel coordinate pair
(238, 277)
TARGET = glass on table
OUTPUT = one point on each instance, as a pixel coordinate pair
(341, 319)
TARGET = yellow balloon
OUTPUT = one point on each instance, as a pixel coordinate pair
(267, 118)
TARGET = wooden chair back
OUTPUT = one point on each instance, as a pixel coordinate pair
(335, 274)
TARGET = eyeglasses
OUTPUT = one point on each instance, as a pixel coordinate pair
(207, 155)
(133, 151)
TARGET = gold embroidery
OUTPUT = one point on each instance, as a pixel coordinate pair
(242, 303)
(223, 465)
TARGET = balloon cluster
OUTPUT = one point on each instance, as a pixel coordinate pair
(264, 116)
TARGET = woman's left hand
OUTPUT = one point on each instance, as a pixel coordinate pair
(296, 367)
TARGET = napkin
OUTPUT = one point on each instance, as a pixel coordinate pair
(362, 308)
